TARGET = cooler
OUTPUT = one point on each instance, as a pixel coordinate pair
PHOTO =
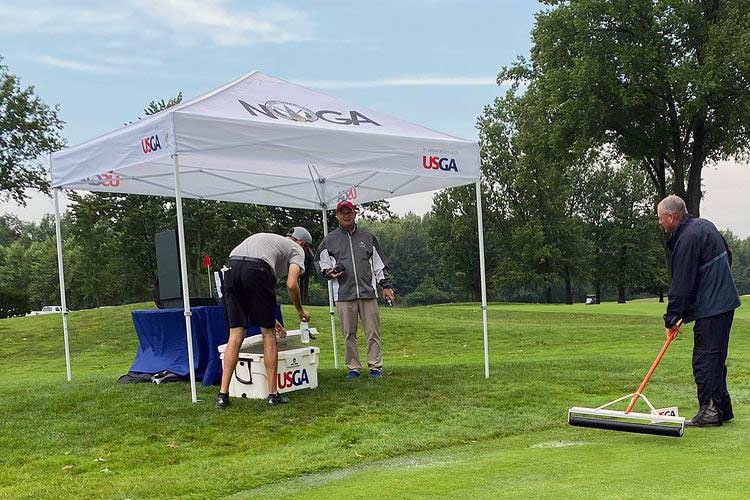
(298, 366)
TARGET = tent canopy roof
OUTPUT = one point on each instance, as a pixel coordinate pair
(264, 140)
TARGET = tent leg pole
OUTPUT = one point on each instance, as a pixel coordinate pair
(183, 276)
(330, 301)
(480, 229)
(61, 274)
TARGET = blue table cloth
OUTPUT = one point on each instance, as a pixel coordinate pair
(162, 343)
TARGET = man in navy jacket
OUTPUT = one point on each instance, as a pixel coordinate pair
(702, 290)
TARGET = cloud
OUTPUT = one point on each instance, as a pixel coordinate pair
(71, 64)
(404, 81)
(181, 22)
(193, 20)
(52, 19)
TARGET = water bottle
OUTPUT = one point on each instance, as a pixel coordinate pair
(304, 330)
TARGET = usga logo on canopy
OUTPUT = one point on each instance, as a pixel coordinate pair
(150, 144)
(300, 114)
(432, 162)
(106, 179)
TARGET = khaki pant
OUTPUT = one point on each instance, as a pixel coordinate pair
(367, 310)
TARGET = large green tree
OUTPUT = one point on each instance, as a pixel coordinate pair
(29, 129)
(663, 83)
(537, 183)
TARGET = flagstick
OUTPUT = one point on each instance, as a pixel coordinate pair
(210, 291)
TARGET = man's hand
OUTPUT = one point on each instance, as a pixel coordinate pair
(389, 295)
(673, 329)
(280, 330)
(331, 274)
(303, 315)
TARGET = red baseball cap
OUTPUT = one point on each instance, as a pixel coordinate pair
(345, 204)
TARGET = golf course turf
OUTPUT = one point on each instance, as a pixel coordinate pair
(433, 427)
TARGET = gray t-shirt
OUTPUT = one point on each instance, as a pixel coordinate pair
(278, 251)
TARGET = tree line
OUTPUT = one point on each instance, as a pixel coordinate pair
(433, 258)
(620, 103)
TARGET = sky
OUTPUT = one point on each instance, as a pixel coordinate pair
(432, 62)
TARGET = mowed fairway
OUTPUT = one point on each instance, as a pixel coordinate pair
(434, 427)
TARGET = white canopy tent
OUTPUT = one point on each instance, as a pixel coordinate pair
(267, 141)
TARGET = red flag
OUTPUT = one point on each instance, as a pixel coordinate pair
(206, 261)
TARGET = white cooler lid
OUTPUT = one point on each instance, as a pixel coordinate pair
(258, 339)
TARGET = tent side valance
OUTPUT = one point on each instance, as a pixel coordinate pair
(274, 164)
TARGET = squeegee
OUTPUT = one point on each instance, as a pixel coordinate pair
(660, 423)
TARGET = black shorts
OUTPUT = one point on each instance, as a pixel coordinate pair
(250, 293)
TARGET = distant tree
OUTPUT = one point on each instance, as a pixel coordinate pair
(28, 130)
(637, 259)
(740, 261)
(11, 229)
(663, 83)
(14, 265)
(453, 237)
(44, 286)
(160, 105)
(406, 246)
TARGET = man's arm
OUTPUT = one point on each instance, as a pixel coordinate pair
(382, 273)
(292, 286)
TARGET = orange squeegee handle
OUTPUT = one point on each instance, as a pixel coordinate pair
(670, 337)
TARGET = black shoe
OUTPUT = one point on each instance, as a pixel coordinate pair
(222, 401)
(708, 416)
(277, 399)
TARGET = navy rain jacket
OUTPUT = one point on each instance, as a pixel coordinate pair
(702, 283)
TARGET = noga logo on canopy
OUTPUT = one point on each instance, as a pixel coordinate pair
(437, 163)
(150, 144)
(300, 114)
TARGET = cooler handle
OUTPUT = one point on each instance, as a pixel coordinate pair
(249, 372)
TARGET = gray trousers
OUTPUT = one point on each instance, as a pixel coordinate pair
(366, 309)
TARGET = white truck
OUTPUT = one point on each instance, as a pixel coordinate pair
(46, 310)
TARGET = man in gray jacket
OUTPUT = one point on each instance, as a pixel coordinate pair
(350, 257)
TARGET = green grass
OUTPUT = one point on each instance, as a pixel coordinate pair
(434, 427)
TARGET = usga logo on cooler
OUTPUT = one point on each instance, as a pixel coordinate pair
(436, 162)
(292, 378)
(150, 144)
